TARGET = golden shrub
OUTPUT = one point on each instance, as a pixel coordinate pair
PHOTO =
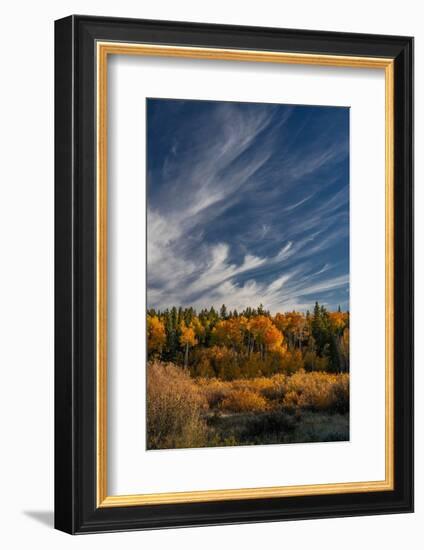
(174, 408)
(252, 384)
(303, 390)
(213, 390)
(276, 387)
(244, 401)
(317, 391)
(216, 390)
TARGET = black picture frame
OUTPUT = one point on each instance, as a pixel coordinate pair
(76, 510)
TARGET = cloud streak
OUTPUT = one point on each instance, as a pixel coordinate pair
(240, 211)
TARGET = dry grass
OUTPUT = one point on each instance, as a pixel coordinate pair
(174, 409)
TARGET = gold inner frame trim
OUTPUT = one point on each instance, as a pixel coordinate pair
(103, 50)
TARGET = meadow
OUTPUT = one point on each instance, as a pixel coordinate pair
(220, 379)
(184, 412)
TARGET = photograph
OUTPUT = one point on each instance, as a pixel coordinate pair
(247, 273)
(234, 269)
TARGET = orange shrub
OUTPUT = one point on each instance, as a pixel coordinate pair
(274, 389)
(244, 401)
(252, 384)
(213, 390)
(317, 391)
(340, 391)
(302, 390)
(216, 390)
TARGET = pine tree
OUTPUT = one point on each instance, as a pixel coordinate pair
(223, 312)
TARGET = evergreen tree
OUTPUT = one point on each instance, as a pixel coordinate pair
(223, 312)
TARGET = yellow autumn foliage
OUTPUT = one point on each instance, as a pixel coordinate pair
(244, 401)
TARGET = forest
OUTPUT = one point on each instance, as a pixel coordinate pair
(218, 378)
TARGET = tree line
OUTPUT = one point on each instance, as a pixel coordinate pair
(228, 344)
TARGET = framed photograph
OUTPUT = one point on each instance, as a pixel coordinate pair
(234, 274)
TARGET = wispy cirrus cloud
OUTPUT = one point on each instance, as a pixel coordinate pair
(240, 212)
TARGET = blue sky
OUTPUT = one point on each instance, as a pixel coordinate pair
(247, 203)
